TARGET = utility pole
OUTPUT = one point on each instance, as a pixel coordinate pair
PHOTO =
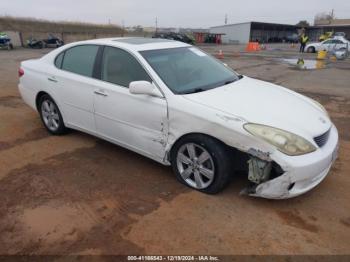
(225, 19)
(156, 24)
(123, 27)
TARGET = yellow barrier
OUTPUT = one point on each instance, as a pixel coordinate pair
(321, 55)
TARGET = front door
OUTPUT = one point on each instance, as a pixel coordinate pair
(134, 121)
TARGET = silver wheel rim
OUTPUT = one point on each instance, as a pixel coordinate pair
(50, 115)
(195, 165)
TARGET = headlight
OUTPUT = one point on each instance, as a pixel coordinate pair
(320, 106)
(285, 142)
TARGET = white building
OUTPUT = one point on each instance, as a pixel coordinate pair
(251, 31)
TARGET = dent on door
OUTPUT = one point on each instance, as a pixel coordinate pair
(135, 121)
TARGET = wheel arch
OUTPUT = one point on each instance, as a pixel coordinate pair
(42, 93)
(239, 155)
(38, 97)
(180, 138)
(311, 48)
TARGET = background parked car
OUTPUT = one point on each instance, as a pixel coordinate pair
(5, 41)
(339, 34)
(294, 38)
(329, 45)
(34, 43)
(175, 36)
(52, 41)
(275, 40)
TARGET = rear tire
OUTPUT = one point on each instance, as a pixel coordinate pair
(51, 116)
(202, 163)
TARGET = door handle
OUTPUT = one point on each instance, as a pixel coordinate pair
(52, 79)
(100, 93)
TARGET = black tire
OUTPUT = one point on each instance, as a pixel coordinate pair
(311, 49)
(219, 155)
(61, 128)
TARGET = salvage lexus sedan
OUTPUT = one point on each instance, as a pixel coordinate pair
(176, 104)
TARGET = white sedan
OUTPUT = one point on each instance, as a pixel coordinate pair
(329, 45)
(172, 102)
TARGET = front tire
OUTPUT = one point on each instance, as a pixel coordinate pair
(51, 116)
(202, 163)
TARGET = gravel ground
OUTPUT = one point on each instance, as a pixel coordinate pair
(77, 194)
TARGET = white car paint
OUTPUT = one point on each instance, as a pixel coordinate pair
(150, 125)
(330, 45)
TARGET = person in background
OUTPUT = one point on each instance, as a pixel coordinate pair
(303, 41)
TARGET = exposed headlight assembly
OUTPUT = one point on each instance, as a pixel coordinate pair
(286, 142)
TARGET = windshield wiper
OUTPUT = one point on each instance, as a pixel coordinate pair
(233, 80)
(229, 82)
(196, 90)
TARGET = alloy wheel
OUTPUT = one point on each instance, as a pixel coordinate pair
(50, 115)
(195, 165)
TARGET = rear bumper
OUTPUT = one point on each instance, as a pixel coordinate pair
(303, 173)
(27, 95)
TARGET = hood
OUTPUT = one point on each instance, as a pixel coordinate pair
(264, 103)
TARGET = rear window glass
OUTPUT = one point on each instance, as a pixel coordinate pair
(80, 59)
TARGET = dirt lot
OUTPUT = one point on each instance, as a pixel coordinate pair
(77, 194)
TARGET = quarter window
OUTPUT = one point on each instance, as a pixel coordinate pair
(121, 68)
(58, 60)
(80, 59)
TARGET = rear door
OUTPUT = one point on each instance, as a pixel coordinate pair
(134, 121)
(76, 85)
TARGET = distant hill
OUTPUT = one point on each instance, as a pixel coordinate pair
(8, 23)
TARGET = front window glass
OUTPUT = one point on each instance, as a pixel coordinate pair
(187, 70)
(121, 68)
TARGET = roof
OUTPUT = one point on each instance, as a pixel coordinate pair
(333, 22)
(231, 24)
(258, 23)
(328, 26)
(140, 40)
(138, 43)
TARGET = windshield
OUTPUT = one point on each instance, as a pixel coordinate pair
(187, 70)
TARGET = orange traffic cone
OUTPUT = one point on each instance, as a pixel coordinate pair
(221, 54)
(252, 47)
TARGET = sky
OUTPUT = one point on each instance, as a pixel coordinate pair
(174, 13)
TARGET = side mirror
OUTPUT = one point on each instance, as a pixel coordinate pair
(144, 88)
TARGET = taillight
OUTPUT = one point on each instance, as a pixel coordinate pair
(20, 72)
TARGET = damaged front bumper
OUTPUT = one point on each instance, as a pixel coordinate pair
(301, 173)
